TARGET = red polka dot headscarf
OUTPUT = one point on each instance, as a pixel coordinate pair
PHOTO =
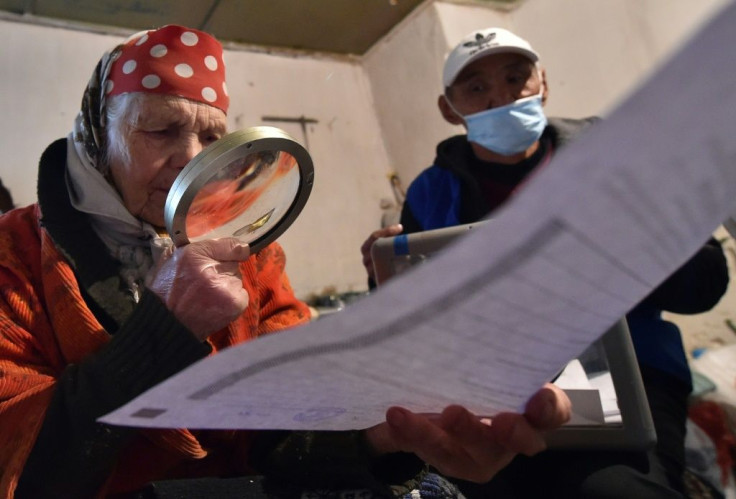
(172, 60)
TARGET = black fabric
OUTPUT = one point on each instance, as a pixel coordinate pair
(300, 460)
(571, 475)
(71, 230)
(204, 488)
(478, 176)
(697, 286)
(668, 403)
(6, 199)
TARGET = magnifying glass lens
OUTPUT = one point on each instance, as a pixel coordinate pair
(251, 184)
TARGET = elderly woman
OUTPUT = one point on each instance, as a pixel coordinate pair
(88, 320)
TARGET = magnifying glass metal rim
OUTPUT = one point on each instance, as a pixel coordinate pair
(203, 167)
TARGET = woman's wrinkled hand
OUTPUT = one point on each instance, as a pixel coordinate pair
(461, 445)
(200, 283)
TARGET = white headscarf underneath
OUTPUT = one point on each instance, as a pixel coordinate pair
(131, 241)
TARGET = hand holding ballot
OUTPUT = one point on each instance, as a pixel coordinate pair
(461, 445)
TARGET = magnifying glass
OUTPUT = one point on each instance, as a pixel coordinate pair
(250, 184)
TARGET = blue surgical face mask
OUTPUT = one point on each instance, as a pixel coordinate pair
(509, 129)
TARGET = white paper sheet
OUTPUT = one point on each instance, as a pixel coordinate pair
(587, 406)
(487, 322)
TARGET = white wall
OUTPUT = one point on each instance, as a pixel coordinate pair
(323, 244)
(44, 72)
(404, 71)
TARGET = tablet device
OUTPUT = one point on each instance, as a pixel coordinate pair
(610, 408)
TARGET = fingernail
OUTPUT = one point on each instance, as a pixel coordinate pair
(547, 412)
(396, 417)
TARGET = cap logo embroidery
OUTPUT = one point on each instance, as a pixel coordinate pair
(480, 42)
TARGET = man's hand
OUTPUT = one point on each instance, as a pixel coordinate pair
(201, 284)
(365, 249)
(461, 445)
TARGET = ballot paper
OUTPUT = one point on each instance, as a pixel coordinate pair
(487, 321)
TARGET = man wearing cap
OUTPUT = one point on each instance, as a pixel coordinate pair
(91, 316)
(495, 87)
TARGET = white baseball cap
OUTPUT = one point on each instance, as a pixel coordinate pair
(481, 43)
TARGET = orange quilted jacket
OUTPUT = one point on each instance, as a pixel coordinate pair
(46, 326)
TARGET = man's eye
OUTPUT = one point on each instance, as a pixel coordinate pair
(476, 87)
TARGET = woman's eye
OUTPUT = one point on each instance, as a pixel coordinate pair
(159, 132)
